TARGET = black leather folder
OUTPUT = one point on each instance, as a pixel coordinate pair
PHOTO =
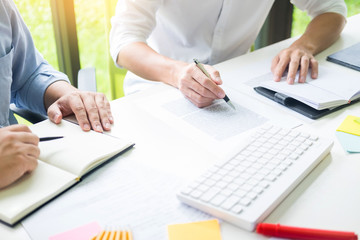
(348, 57)
(296, 105)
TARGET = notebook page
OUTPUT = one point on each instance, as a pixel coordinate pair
(30, 191)
(328, 90)
(78, 150)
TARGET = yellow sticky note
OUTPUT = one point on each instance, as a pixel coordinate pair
(350, 125)
(204, 230)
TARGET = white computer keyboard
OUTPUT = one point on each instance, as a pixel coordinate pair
(245, 189)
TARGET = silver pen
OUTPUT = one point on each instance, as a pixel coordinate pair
(201, 67)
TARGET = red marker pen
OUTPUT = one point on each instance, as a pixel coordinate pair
(277, 230)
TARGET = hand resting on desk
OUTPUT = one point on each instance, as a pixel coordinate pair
(90, 109)
(300, 55)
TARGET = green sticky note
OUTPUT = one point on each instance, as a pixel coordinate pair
(350, 125)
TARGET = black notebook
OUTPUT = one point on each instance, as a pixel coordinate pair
(348, 57)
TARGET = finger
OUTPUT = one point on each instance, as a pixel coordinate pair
(197, 99)
(274, 64)
(29, 138)
(103, 106)
(214, 74)
(32, 151)
(18, 128)
(314, 68)
(202, 91)
(54, 113)
(30, 163)
(293, 68)
(76, 104)
(281, 67)
(108, 107)
(92, 110)
(207, 87)
(304, 67)
(23, 137)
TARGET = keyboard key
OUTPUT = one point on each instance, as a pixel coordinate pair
(237, 209)
(271, 177)
(245, 201)
(187, 190)
(313, 138)
(294, 133)
(226, 192)
(221, 184)
(251, 195)
(195, 194)
(264, 184)
(258, 189)
(246, 187)
(259, 176)
(207, 196)
(217, 200)
(210, 182)
(230, 202)
(240, 193)
(216, 177)
(294, 156)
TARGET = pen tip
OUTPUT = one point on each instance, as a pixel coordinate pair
(231, 105)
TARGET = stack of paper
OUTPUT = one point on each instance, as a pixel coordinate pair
(348, 134)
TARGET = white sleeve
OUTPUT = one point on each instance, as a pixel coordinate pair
(134, 21)
(317, 7)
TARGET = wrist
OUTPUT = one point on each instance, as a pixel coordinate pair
(305, 44)
(176, 70)
(56, 90)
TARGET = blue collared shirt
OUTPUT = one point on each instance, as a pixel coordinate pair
(24, 73)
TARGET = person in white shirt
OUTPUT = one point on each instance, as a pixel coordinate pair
(158, 39)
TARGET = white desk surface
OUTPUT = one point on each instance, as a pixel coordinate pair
(328, 198)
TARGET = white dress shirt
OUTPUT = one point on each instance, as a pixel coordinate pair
(212, 31)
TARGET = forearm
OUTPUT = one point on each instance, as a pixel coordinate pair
(57, 90)
(321, 32)
(142, 60)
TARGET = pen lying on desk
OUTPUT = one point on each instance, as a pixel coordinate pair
(201, 67)
(43, 139)
(277, 230)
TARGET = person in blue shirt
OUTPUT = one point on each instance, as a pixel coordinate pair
(27, 80)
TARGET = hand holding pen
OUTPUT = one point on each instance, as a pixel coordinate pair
(200, 89)
(201, 67)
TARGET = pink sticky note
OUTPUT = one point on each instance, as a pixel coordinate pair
(84, 232)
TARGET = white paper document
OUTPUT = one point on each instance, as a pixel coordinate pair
(120, 194)
(218, 127)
